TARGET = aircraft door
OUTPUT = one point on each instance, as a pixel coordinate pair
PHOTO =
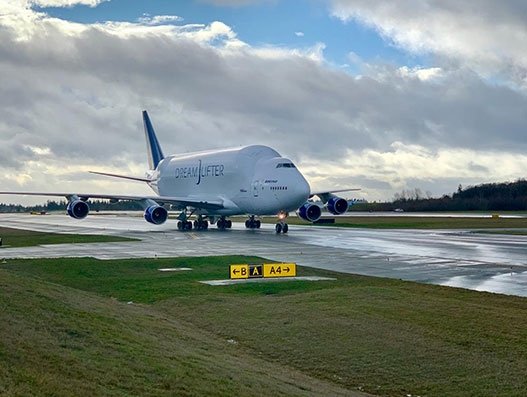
(256, 186)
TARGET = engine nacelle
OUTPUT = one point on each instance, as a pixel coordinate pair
(78, 209)
(310, 212)
(156, 214)
(337, 205)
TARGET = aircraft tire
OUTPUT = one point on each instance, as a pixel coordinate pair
(285, 228)
(228, 224)
(180, 225)
(278, 228)
(257, 224)
(188, 225)
(248, 224)
(197, 225)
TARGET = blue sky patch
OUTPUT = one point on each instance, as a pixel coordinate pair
(298, 24)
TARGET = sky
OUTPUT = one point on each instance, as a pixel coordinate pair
(385, 96)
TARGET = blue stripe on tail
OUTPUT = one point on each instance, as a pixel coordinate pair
(155, 154)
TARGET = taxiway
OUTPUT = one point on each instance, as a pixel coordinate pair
(484, 262)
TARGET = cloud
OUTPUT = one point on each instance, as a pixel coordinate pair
(65, 3)
(413, 166)
(486, 35)
(72, 93)
(159, 19)
(299, 34)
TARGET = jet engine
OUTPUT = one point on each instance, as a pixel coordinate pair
(78, 209)
(337, 205)
(156, 214)
(310, 212)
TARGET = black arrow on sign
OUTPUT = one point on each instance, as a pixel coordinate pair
(235, 271)
(286, 269)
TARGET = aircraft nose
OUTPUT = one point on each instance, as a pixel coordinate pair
(302, 189)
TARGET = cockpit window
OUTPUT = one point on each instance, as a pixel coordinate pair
(285, 165)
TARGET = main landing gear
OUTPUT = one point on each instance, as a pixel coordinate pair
(252, 223)
(224, 223)
(184, 224)
(201, 224)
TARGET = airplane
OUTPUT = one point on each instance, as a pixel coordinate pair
(213, 185)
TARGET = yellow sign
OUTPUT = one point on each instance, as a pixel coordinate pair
(279, 270)
(239, 271)
(265, 270)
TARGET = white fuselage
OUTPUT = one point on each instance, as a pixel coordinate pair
(252, 180)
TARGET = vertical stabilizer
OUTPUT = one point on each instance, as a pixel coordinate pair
(155, 154)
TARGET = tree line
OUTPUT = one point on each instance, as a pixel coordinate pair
(507, 196)
(51, 205)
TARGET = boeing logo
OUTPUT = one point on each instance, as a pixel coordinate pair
(199, 171)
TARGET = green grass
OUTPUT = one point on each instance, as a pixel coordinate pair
(506, 232)
(68, 329)
(417, 222)
(28, 238)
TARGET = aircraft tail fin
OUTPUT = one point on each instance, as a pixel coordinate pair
(155, 154)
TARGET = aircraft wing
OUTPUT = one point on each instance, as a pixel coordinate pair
(177, 201)
(329, 192)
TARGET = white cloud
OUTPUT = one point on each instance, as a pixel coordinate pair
(405, 166)
(71, 96)
(65, 3)
(486, 35)
(423, 74)
(299, 34)
(159, 19)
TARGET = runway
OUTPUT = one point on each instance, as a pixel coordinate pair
(494, 263)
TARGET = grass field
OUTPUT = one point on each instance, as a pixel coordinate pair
(69, 327)
(27, 238)
(416, 222)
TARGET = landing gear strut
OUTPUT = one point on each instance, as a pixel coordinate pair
(224, 223)
(251, 223)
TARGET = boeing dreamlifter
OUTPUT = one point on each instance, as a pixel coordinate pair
(213, 185)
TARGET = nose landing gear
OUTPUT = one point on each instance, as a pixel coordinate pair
(281, 226)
